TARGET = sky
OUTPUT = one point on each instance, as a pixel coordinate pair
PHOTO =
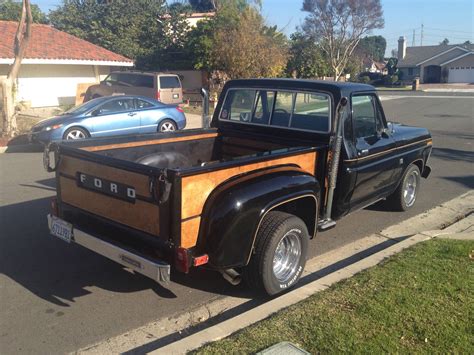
(452, 19)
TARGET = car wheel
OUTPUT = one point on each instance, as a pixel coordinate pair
(280, 254)
(75, 133)
(167, 126)
(405, 196)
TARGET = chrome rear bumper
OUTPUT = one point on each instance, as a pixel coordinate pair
(157, 271)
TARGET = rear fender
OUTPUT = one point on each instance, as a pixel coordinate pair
(234, 211)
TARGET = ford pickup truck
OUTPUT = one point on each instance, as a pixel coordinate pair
(281, 160)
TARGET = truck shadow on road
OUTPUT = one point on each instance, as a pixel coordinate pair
(52, 269)
(59, 272)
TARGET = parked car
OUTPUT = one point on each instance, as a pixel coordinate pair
(110, 116)
(160, 86)
(283, 160)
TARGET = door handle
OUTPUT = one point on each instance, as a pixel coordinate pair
(363, 153)
(132, 113)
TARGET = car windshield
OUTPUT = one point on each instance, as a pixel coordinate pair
(83, 107)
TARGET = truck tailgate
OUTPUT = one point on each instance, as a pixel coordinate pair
(113, 193)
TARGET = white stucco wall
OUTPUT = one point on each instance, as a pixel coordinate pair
(53, 84)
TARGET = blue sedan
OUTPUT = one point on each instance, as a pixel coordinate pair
(110, 116)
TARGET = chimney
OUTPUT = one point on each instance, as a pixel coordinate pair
(402, 48)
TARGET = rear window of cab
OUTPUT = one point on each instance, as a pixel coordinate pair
(300, 110)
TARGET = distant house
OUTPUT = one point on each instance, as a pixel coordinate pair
(373, 66)
(195, 17)
(436, 64)
(54, 64)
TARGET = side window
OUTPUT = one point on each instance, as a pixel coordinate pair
(263, 107)
(311, 112)
(238, 105)
(116, 106)
(283, 106)
(124, 79)
(169, 82)
(143, 104)
(111, 78)
(364, 116)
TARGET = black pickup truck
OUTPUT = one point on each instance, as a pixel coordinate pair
(282, 160)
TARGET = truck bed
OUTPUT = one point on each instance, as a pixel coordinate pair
(172, 177)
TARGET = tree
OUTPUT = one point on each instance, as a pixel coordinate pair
(243, 46)
(373, 47)
(203, 5)
(22, 38)
(306, 59)
(392, 66)
(338, 25)
(11, 11)
(139, 30)
(444, 42)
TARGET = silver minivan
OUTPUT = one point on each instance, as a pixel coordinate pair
(164, 87)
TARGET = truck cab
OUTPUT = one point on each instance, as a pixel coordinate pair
(281, 160)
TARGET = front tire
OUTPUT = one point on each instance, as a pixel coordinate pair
(406, 193)
(280, 254)
(74, 133)
(166, 126)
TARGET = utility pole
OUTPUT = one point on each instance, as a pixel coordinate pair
(421, 40)
(413, 41)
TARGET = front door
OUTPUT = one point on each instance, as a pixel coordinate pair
(115, 117)
(374, 164)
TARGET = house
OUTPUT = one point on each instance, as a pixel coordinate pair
(436, 64)
(195, 17)
(373, 66)
(54, 64)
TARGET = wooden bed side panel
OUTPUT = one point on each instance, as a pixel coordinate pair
(70, 166)
(140, 215)
(150, 142)
(189, 232)
(197, 188)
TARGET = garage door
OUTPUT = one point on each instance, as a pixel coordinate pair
(461, 75)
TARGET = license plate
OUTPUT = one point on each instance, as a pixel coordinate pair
(61, 229)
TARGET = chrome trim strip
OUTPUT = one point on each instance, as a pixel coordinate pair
(279, 204)
(428, 141)
(159, 272)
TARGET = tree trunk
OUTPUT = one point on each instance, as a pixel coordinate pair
(22, 37)
(9, 126)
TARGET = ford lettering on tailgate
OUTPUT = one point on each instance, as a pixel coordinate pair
(107, 187)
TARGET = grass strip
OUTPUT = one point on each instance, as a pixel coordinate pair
(420, 300)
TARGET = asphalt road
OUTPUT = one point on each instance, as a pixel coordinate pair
(56, 298)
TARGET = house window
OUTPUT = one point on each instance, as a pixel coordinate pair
(410, 71)
(462, 67)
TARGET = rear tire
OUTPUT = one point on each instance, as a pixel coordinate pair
(280, 254)
(167, 125)
(405, 195)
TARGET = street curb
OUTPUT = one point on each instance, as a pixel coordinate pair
(446, 218)
(230, 326)
(265, 310)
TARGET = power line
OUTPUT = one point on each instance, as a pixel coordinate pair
(448, 30)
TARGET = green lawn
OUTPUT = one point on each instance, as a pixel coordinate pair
(419, 301)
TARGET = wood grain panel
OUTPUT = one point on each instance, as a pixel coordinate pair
(197, 188)
(141, 215)
(70, 166)
(150, 142)
(189, 232)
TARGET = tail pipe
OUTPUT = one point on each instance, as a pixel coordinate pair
(232, 276)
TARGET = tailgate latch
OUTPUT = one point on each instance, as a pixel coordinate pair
(162, 193)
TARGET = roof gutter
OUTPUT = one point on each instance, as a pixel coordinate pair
(9, 61)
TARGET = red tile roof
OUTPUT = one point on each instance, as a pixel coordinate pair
(49, 43)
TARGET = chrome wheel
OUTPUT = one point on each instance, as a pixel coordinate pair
(287, 257)
(409, 191)
(75, 134)
(167, 126)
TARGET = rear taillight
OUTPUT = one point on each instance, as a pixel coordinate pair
(179, 109)
(54, 207)
(182, 260)
(158, 95)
